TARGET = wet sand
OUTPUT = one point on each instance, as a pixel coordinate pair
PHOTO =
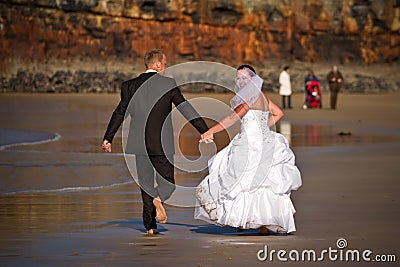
(67, 203)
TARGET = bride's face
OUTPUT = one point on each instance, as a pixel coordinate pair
(242, 78)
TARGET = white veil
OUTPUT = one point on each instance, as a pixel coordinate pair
(248, 89)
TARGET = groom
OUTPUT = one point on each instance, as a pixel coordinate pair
(148, 99)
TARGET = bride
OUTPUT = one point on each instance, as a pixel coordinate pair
(250, 180)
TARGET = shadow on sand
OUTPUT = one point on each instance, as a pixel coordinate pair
(136, 224)
(226, 230)
(200, 229)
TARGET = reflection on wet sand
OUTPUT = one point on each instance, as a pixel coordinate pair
(285, 128)
(298, 135)
(68, 202)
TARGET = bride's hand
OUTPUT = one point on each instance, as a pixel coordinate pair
(207, 137)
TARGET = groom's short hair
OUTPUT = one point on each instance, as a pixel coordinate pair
(245, 66)
(153, 56)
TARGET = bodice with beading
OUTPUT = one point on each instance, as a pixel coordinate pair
(255, 123)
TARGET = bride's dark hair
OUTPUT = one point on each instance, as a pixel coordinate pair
(245, 66)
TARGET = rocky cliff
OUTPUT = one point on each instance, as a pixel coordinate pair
(80, 38)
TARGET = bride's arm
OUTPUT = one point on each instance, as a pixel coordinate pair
(276, 113)
(226, 122)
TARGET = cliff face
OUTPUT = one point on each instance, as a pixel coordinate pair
(232, 32)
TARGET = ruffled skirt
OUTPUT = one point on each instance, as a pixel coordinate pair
(249, 185)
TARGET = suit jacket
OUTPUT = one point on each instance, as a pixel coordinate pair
(148, 100)
(334, 85)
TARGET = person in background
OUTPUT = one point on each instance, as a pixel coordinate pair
(307, 80)
(285, 88)
(335, 80)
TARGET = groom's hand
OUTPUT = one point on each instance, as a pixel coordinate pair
(106, 146)
(207, 138)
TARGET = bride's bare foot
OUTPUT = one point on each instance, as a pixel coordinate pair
(264, 230)
(161, 216)
(152, 231)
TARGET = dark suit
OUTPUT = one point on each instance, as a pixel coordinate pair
(334, 86)
(148, 101)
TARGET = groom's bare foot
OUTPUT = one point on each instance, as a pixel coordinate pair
(161, 216)
(264, 230)
(152, 232)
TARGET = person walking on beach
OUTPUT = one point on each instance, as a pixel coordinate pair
(310, 77)
(335, 80)
(148, 100)
(250, 180)
(285, 88)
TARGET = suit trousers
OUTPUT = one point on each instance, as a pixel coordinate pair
(289, 104)
(156, 179)
(334, 95)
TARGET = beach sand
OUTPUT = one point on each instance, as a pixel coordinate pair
(66, 203)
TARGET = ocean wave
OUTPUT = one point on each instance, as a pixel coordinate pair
(67, 189)
(59, 164)
(20, 137)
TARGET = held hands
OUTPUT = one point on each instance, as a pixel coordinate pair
(207, 137)
(106, 146)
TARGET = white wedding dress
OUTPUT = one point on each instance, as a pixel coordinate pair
(250, 180)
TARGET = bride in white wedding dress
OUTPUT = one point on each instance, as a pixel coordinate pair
(250, 180)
